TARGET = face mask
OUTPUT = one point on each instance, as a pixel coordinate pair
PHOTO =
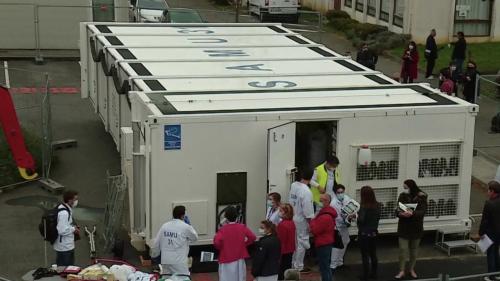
(410, 47)
(453, 68)
(365, 49)
(262, 231)
(406, 191)
(269, 203)
(75, 203)
(281, 215)
(341, 196)
(320, 205)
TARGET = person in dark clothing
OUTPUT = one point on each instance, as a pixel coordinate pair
(367, 57)
(490, 226)
(409, 69)
(322, 228)
(286, 235)
(431, 54)
(266, 259)
(451, 73)
(458, 55)
(410, 225)
(469, 80)
(368, 219)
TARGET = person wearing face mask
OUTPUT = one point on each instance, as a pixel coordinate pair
(469, 81)
(367, 57)
(342, 223)
(410, 226)
(65, 242)
(409, 69)
(273, 206)
(490, 226)
(323, 229)
(325, 177)
(267, 255)
(286, 235)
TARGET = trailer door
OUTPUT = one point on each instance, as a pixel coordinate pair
(281, 159)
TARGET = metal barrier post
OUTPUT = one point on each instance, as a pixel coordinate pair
(476, 88)
(38, 53)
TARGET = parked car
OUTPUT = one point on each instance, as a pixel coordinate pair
(275, 10)
(181, 15)
(147, 10)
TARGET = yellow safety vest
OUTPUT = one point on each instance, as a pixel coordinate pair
(322, 179)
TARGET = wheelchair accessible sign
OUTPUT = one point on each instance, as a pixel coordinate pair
(173, 139)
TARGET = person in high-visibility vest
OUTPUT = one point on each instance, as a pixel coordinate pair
(326, 176)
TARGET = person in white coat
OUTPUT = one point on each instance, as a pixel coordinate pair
(342, 223)
(65, 242)
(302, 203)
(273, 208)
(172, 243)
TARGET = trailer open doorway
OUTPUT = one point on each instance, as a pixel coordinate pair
(297, 146)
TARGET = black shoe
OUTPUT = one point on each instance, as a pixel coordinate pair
(373, 276)
(363, 278)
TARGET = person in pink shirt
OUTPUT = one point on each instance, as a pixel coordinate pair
(232, 241)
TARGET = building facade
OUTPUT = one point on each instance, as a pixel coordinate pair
(478, 19)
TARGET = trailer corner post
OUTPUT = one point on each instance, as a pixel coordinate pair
(137, 163)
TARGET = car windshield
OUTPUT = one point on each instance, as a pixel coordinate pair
(184, 16)
(152, 4)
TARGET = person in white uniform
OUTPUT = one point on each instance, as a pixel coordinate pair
(339, 200)
(172, 243)
(65, 242)
(302, 203)
(273, 208)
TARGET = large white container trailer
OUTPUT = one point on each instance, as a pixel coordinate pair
(211, 131)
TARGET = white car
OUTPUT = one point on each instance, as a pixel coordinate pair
(272, 10)
(147, 10)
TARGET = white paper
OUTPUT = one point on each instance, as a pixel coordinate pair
(352, 207)
(206, 257)
(484, 243)
(407, 207)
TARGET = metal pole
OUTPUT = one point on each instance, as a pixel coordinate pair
(38, 54)
(237, 16)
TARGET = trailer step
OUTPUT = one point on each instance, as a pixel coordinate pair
(66, 143)
(51, 186)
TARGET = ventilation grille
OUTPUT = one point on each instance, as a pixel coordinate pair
(384, 165)
(387, 197)
(442, 200)
(439, 161)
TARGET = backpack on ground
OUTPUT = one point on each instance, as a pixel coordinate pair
(48, 225)
(495, 123)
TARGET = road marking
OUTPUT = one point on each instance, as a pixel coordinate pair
(6, 69)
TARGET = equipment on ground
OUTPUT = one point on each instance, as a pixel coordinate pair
(14, 136)
(91, 236)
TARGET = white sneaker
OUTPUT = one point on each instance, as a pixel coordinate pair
(488, 278)
(430, 77)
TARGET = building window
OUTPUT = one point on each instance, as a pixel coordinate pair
(399, 11)
(473, 17)
(348, 3)
(360, 5)
(372, 7)
(384, 10)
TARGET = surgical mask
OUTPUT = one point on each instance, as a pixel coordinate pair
(453, 68)
(262, 231)
(75, 203)
(269, 203)
(341, 196)
(410, 47)
(365, 49)
(281, 215)
(320, 205)
(406, 191)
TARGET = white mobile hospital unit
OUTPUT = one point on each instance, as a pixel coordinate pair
(224, 123)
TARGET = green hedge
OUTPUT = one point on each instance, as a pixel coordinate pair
(377, 37)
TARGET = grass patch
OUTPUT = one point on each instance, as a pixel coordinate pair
(484, 54)
(8, 170)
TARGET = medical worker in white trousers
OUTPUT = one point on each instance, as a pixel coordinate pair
(302, 202)
(342, 224)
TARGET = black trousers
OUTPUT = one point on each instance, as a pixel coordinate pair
(65, 258)
(286, 263)
(431, 62)
(368, 247)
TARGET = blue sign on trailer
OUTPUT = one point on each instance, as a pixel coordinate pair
(172, 137)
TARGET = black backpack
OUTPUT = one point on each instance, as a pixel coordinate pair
(495, 123)
(48, 225)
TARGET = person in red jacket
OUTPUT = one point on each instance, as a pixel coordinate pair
(323, 229)
(232, 241)
(286, 235)
(409, 69)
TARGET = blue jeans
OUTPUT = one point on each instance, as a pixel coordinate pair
(65, 258)
(493, 258)
(324, 254)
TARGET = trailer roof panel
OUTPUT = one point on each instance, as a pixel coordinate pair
(338, 98)
(186, 29)
(194, 85)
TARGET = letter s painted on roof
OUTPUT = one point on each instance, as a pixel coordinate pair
(272, 84)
